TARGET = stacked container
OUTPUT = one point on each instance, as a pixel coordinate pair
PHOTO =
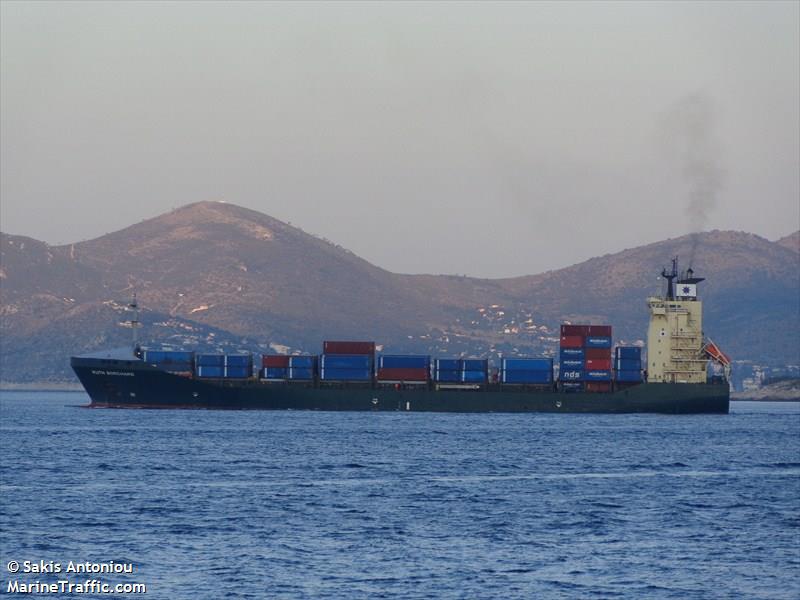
(526, 371)
(347, 361)
(628, 365)
(169, 360)
(404, 368)
(461, 370)
(210, 365)
(295, 368)
(232, 366)
(585, 358)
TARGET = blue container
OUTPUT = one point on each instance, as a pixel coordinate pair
(305, 361)
(628, 375)
(572, 387)
(238, 360)
(389, 361)
(597, 375)
(527, 376)
(346, 361)
(628, 364)
(447, 375)
(571, 375)
(176, 367)
(210, 360)
(301, 373)
(275, 372)
(628, 352)
(448, 364)
(473, 376)
(572, 353)
(238, 372)
(569, 364)
(167, 356)
(153, 356)
(340, 374)
(526, 364)
(210, 371)
(475, 364)
(596, 341)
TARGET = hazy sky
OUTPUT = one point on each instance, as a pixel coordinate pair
(486, 139)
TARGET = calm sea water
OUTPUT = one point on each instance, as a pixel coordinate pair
(209, 504)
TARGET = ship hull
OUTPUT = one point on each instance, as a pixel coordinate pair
(134, 384)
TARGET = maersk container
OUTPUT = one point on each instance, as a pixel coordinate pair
(526, 364)
(210, 371)
(473, 376)
(572, 354)
(599, 330)
(602, 364)
(346, 361)
(598, 375)
(475, 364)
(344, 374)
(540, 376)
(348, 347)
(275, 360)
(570, 330)
(238, 360)
(598, 386)
(275, 372)
(572, 341)
(167, 356)
(210, 360)
(635, 376)
(571, 375)
(238, 372)
(628, 352)
(302, 361)
(447, 375)
(405, 361)
(596, 341)
(571, 364)
(603, 353)
(628, 364)
(448, 364)
(301, 373)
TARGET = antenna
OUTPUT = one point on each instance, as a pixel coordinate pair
(669, 277)
(134, 306)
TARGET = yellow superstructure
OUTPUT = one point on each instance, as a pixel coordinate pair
(675, 341)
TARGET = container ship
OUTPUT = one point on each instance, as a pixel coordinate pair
(589, 373)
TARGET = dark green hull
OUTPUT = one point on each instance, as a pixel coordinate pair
(134, 384)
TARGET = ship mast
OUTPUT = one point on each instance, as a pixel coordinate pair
(669, 277)
(134, 306)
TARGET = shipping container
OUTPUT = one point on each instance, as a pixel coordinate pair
(628, 352)
(598, 375)
(406, 361)
(475, 364)
(167, 356)
(597, 353)
(571, 364)
(345, 361)
(403, 374)
(474, 376)
(275, 360)
(303, 361)
(210, 360)
(334, 347)
(572, 386)
(344, 374)
(628, 364)
(571, 375)
(629, 376)
(599, 330)
(275, 372)
(526, 364)
(533, 377)
(571, 353)
(174, 367)
(301, 373)
(571, 330)
(447, 375)
(572, 341)
(598, 386)
(238, 372)
(448, 364)
(603, 364)
(598, 342)
(238, 360)
(210, 371)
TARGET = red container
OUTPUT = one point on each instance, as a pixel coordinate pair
(601, 364)
(570, 330)
(602, 353)
(348, 347)
(403, 374)
(275, 360)
(598, 386)
(600, 330)
(572, 341)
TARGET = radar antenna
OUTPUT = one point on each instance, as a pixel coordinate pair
(669, 277)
